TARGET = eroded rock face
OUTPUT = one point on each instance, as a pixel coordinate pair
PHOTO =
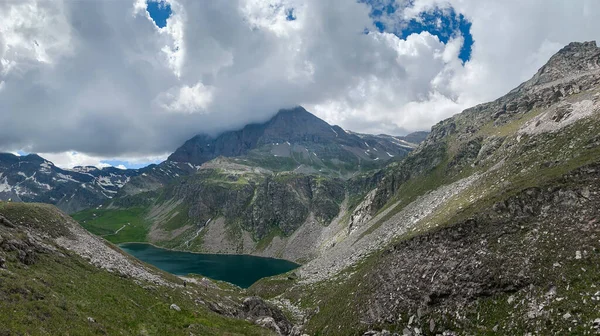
(362, 213)
(264, 204)
(574, 58)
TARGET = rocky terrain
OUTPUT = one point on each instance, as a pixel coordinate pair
(489, 227)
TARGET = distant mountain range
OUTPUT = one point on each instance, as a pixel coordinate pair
(31, 178)
(293, 139)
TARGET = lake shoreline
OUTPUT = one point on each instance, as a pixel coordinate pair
(203, 253)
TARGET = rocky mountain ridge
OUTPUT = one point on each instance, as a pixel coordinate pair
(32, 178)
(296, 139)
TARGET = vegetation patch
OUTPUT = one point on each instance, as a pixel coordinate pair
(116, 225)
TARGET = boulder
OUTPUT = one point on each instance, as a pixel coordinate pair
(257, 310)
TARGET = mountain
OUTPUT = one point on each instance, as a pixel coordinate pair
(31, 178)
(489, 227)
(296, 139)
(257, 190)
(56, 278)
(243, 205)
(292, 140)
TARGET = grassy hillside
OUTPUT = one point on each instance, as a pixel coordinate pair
(116, 225)
(511, 264)
(46, 289)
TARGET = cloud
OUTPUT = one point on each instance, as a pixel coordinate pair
(101, 79)
(68, 160)
(73, 159)
(187, 99)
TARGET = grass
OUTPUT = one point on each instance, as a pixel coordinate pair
(177, 218)
(410, 191)
(266, 241)
(42, 217)
(508, 128)
(220, 177)
(57, 295)
(105, 222)
(60, 293)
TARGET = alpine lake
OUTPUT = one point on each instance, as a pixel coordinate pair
(240, 270)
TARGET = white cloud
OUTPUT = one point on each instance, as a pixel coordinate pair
(188, 99)
(73, 159)
(70, 159)
(101, 78)
(33, 31)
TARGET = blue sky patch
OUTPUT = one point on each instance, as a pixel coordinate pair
(128, 164)
(443, 23)
(159, 11)
(289, 14)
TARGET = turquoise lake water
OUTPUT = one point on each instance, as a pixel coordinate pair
(240, 270)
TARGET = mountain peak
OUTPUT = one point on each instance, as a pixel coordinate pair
(295, 137)
(579, 46)
(572, 60)
(298, 110)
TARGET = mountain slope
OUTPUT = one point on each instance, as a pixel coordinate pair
(56, 278)
(273, 191)
(490, 226)
(226, 208)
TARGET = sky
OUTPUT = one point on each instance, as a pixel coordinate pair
(124, 83)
